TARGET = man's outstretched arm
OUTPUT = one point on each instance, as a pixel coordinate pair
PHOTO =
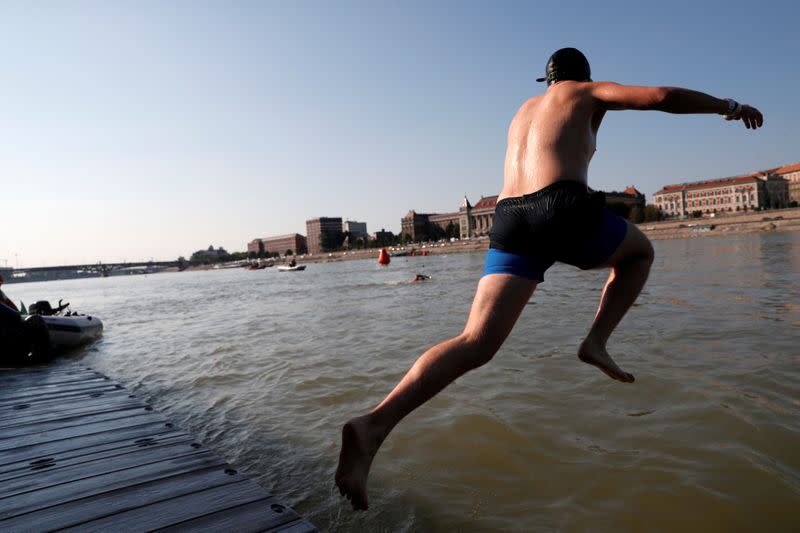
(613, 96)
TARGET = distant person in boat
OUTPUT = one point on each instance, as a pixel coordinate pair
(545, 213)
(293, 263)
(5, 299)
(420, 277)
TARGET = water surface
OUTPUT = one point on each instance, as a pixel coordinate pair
(264, 367)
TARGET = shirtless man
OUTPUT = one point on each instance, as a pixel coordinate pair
(544, 214)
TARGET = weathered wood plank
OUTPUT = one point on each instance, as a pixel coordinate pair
(139, 457)
(38, 450)
(13, 409)
(69, 421)
(67, 391)
(19, 382)
(94, 507)
(62, 457)
(78, 451)
(139, 418)
(298, 526)
(173, 511)
(253, 517)
(47, 496)
(82, 406)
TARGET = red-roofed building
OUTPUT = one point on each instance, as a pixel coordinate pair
(476, 220)
(740, 193)
(766, 189)
(630, 198)
(791, 174)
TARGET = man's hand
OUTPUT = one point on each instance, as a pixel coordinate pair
(751, 117)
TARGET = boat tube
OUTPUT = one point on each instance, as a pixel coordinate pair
(66, 330)
(73, 330)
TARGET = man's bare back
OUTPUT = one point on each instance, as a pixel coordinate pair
(551, 138)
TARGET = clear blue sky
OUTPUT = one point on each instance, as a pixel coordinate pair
(138, 130)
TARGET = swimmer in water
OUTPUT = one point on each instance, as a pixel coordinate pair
(545, 213)
(420, 277)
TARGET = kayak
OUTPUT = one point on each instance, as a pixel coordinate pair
(72, 330)
(287, 268)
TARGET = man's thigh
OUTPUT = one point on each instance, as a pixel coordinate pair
(634, 245)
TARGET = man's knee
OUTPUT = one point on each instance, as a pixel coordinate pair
(479, 347)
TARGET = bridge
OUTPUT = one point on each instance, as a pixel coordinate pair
(93, 270)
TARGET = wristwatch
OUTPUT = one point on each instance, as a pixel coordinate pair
(734, 108)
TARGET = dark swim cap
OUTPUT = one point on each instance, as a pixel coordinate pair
(567, 64)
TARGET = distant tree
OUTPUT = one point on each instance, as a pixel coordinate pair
(331, 241)
(289, 252)
(636, 215)
(452, 230)
(651, 213)
(793, 203)
(698, 214)
(252, 255)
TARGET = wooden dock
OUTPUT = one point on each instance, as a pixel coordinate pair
(79, 452)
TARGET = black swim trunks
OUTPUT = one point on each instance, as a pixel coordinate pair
(562, 222)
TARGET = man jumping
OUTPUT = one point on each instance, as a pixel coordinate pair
(545, 213)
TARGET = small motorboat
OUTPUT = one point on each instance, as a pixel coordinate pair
(72, 330)
(288, 268)
(66, 330)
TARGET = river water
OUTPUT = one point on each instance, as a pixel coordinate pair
(264, 367)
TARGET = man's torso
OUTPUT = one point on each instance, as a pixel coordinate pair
(552, 138)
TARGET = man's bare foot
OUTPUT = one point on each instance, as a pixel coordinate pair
(594, 354)
(355, 458)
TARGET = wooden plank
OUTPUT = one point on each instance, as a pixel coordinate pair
(47, 496)
(33, 388)
(39, 450)
(54, 404)
(69, 420)
(299, 526)
(94, 507)
(18, 381)
(173, 511)
(143, 456)
(67, 391)
(253, 517)
(143, 417)
(79, 455)
(76, 407)
(78, 451)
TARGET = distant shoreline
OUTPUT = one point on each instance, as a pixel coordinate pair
(774, 220)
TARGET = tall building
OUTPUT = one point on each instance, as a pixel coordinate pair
(357, 230)
(280, 244)
(740, 193)
(791, 174)
(773, 188)
(425, 226)
(476, 220)
(317, 227)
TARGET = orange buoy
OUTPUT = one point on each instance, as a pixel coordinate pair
(413, 254)
(383, 257)
(425, 252)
